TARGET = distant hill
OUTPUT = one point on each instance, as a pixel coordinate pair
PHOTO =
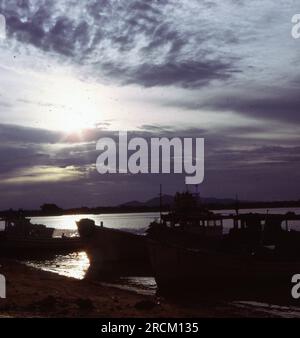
(167, 200)
(132, 204)
(213, 200)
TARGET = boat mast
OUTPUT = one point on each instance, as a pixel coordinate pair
(237, 204)
(160, 202)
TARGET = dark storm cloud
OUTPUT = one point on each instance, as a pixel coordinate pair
(25, 147)
(61, 38)
(258, 157)
(29, 135)
(187, 74)
(221, 150)
(279, 104)
(61, 150)
(102, 28)
(225, 155)
(282, 105)
(24, 135)
(17, 157)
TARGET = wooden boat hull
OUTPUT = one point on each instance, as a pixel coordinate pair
(183, 272)
(117, 253)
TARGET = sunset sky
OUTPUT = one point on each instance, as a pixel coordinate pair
(74, 71)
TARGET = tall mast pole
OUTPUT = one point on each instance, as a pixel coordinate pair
(237, 204)
(160, 201)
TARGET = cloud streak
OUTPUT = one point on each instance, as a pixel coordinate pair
(102, 34)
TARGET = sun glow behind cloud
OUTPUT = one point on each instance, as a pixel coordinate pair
(39, 174)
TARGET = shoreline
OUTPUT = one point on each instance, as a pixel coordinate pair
(35, 293)
(156, 209)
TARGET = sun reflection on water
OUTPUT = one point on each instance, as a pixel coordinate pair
(74, 265)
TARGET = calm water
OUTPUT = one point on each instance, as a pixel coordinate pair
(76, 265)
(137, 223)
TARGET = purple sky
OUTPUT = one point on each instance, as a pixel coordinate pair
(74, 71)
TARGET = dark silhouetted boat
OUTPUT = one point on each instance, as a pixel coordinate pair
(114, 252)
(256, 260)
(23, 239)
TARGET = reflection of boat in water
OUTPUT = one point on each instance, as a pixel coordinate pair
(22, 238)
(257, 259)
(114, 252)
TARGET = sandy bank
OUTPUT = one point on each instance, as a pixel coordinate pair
(35, 293)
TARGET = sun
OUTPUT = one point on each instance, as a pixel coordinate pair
(72, 123)
(73, 105)
(77, 112)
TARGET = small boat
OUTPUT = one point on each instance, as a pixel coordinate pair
(21, 238)
(114, 252)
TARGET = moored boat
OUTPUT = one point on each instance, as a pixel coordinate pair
(256, 260)
(114, 252)
(20, 238)
(191, 256)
